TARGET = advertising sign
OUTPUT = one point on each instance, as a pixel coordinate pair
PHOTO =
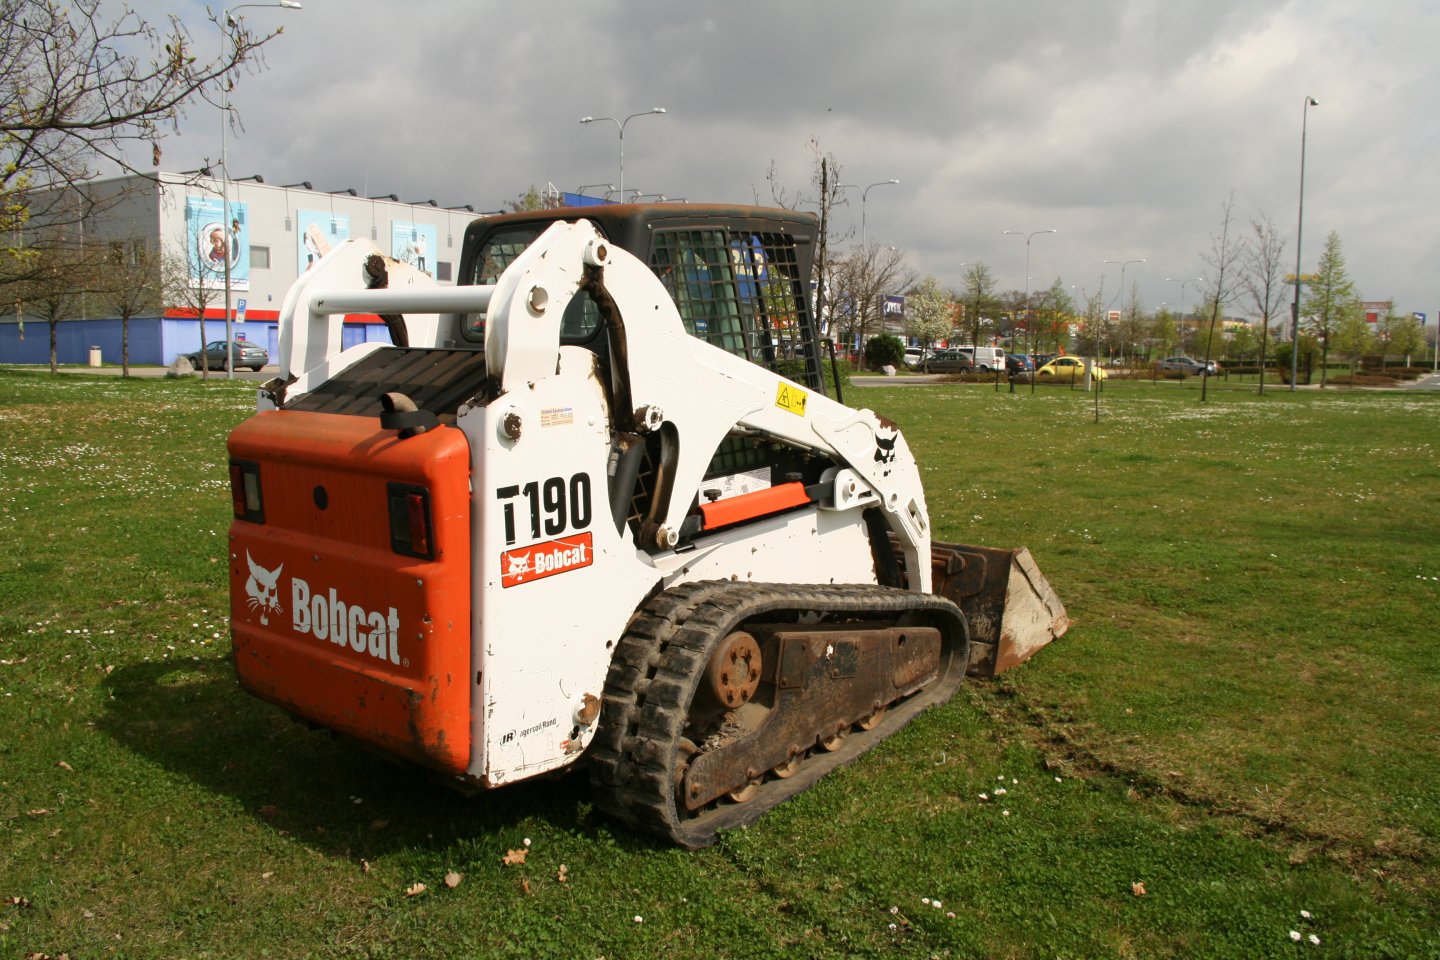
(415, 244)
(210, 242)
(316, 233)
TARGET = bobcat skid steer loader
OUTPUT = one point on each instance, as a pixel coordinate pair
(594, 504)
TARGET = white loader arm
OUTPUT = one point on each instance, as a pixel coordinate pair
(703, 391)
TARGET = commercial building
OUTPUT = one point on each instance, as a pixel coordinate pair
(274, 234)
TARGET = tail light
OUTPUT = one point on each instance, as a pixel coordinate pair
(245, 495)
(410, 527)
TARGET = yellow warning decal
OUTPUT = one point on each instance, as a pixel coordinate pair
(792, 398)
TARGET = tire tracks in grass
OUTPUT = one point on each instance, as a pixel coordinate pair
(1062, 747)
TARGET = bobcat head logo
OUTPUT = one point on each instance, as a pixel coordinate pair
(261, 591)
(885, 450)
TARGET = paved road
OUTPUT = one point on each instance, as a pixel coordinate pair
(263, 374)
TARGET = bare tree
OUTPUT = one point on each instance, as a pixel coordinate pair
(80, 86)
(978, 299)
(1222, 286)
(1126, 335)
(180, 285)
(862, 280)
(1265, 279)
(130, 284)
(829, 193)
(56, 279)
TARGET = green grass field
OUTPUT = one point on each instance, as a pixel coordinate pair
(1244, 718)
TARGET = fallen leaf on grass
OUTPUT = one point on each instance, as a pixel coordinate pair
(267, 874)
(514, 857)
(1138, 888)
(364, 866)
(65, 766)
(564, 873)
(38, 812)
(17, 901)
(415, 891)
(525, 884)
(452, 880)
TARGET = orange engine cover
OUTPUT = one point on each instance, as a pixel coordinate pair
(327, 619)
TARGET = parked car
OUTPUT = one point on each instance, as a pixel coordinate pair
(243, 353)
(951, 361)
(1069, 369)
(985, 359)
(1018, 365)
(1187, 366)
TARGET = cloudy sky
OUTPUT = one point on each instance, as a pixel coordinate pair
(1124, 125)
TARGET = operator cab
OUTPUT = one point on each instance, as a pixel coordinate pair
(739, 276)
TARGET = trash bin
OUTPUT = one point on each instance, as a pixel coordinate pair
(94, 356)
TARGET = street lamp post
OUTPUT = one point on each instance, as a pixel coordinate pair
(1120, 296)
(864, 194)
(620, 126)
(1299, 223)
(227, 20)
(1183, 284)
(580, 191)
(1029, 320)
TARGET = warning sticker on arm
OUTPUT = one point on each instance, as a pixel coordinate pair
(792, 398)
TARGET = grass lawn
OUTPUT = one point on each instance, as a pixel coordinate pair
(1242, 724)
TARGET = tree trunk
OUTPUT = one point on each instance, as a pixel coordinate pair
(54, 365)
(204, 356)
(1264, 333)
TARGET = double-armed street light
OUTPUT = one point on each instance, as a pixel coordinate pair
(864, 195)
(1029, 321)
(227, 20)
(620, 127)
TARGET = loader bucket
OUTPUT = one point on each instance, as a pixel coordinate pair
(1012, 609)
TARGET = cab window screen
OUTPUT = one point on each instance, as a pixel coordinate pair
(734, 289)
(498, 252)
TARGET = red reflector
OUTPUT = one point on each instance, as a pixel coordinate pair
(237, 489)
(419, 523)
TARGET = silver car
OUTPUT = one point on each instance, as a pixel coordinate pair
(243, 353)
(1186, 365)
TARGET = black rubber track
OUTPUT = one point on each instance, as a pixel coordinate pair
(656, 669)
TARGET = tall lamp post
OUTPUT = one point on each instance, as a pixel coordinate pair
(1029, 321)
(620, 126)
(1299, 223)
(1183, 284)
(864, 195)
(227, 20)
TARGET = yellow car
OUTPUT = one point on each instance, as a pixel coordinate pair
(1069, 369)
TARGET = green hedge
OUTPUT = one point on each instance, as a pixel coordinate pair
(795, 370)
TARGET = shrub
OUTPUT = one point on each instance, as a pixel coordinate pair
(884, 350)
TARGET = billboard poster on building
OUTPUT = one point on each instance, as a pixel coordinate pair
(414, 243)
(317, 232)
(210, 242)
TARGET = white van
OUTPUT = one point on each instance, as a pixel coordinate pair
(987, 359)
